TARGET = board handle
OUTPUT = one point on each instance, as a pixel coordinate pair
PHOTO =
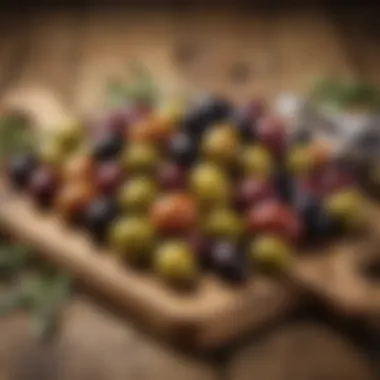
(347, 277)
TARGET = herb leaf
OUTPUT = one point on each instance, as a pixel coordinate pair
(347, 95)
(49, 296)
(141, 89)
(15, 134)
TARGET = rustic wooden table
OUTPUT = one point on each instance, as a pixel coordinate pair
(70, 55)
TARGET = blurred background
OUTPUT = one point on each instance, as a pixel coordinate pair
(57, 57)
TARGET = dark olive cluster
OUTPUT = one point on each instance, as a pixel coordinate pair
(180, 189)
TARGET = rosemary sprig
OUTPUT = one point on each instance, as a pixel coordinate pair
(347, 95)
(43, 296)
(13, 258)
(141, 89)
(15, 134)
(50, 294)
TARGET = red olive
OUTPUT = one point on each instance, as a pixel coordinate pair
(251, 191)
(174, 213)
(272, 134)
(171, 176)
(275, 218)
(108, 177)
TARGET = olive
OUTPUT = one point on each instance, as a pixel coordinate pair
(137, 194)
(348, 207)
(245, 125)
(174, 212)
(175, 262)
(300, 160)
(20, 168)
(51, 153)
(151, 129)
(107, 146)
(272, 134)
(108, 177)
(270, 252)
(43, 185)
(141, 158)
(256, 161)
(204, 112)
(78, 167)
(223, 223)
(72, 199)
(274, 218)
(115, 121)
(171, 176)
(251, 191)
(132, 238)
(69, 136)
(314, 216)
(228, 261)
(335, 178)
(210, 184)
(220, 144)
(182, 149)
(171, 110)
(98, 216)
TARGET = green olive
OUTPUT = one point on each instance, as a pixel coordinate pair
(257, 161)
(270, 252)
(132, 238)
(172, 110)
(210, 184)
(69, 136)
(223, 223)
(137, 194)
(348, 207)
(141, 158)
(51, 153)
(300, 160)
(175, 262)
(221, 144)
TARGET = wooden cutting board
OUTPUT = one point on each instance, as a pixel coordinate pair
(214, 314)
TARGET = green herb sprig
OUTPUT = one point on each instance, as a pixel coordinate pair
(347, 95)
(141, 89)
(15, 134)
(39, 290)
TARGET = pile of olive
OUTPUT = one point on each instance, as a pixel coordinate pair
(209, 187)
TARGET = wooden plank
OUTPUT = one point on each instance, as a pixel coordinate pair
(298, 351)
(44, 83)
(358, 33)
(230, 53)
(50, 61)
(306, 48)
(13, 47)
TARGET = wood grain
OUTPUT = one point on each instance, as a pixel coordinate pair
(301, 351)
(92, 344)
